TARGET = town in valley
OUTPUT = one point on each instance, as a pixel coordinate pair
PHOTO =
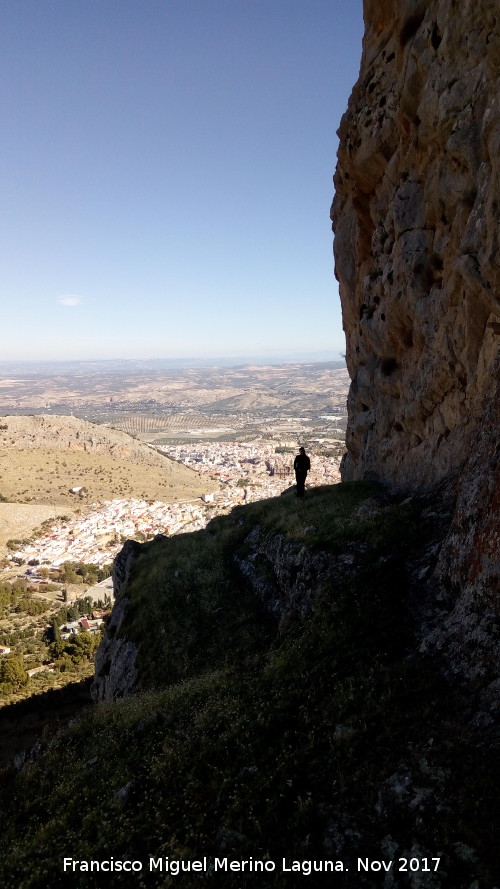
(95, 453)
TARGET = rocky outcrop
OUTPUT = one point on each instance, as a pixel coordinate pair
(115, 671)
(468, 569)
(287, 576)
(416, 218)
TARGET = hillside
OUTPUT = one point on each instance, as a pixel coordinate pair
(314, 683)
(72, 434)
(43, 457)
(284, 706)
(18, 520)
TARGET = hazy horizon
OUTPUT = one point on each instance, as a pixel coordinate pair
(185, 362)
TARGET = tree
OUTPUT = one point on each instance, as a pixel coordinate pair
(105, 572)
(55, 630)
(57, 649)
(68, 573)
(12, 673)
(84, 605)
(64, 663)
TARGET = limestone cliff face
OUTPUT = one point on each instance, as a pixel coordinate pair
(416, 217)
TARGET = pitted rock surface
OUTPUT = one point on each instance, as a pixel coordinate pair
(416, 216)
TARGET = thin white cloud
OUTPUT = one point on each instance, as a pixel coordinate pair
(69, 300)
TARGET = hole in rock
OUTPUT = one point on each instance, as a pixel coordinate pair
(435, 37)
(388, 366)
(410, 28)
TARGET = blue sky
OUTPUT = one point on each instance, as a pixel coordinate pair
(166, 171)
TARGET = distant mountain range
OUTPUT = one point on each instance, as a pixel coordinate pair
(120, 365)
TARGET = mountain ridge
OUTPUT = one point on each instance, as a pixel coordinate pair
(43, 457)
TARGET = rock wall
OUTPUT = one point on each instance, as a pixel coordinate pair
(416, 219)
(115, 672)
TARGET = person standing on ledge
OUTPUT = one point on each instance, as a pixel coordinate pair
(301, 465)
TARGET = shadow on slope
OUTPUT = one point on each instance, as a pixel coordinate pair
(331, 740)
(37, 718)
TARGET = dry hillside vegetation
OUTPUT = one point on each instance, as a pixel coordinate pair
(42, 458)
(43, 475)
(18, 520)
(72, 434)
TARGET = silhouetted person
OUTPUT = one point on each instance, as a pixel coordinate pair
(301, 465)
